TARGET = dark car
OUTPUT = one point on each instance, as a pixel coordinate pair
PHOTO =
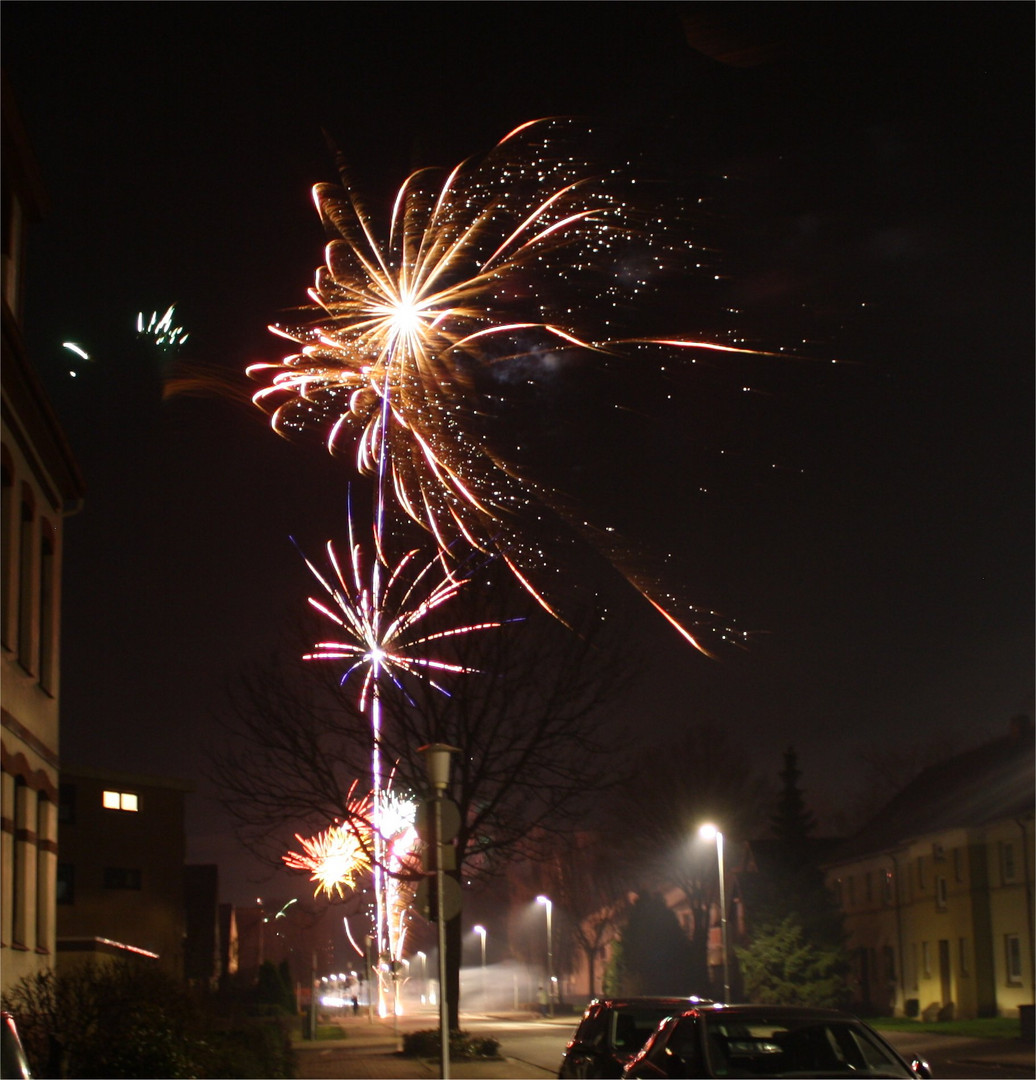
(764, 1040)
(613, 1030)
(13, 1062)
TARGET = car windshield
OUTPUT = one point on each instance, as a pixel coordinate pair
(745, 1046)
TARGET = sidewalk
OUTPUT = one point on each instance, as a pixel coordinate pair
(369, 1051)
(1013, 1054)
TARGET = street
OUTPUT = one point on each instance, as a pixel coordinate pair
(538, 1043)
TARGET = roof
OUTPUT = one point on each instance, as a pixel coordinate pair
(988, 783)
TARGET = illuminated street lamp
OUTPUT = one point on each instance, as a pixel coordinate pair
(424, 976)
(546, 901)
(481, 931)
(710, 832)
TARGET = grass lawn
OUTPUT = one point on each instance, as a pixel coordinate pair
(996, 1027)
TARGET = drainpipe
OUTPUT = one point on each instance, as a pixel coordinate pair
(1028, 900)
(901, 966)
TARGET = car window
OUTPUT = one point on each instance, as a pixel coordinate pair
(743, 1047)
(593, 1030)
(631, 1026)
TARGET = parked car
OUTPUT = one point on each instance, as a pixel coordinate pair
(612, 1031)
(770, 1041)
(13, 1062)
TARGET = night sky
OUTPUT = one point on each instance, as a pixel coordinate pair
(872, 172)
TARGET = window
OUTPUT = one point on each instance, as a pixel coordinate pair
(122, 877)
(47, 629)
(1013, 950)
(26, 580)
(7, 517)
(940, 893)
(1008, 867)
(887, 888)
(962, 955)
(66, 884)
(120, 800)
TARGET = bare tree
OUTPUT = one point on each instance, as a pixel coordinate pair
(593, 891)
(702, 775)
(528, 719)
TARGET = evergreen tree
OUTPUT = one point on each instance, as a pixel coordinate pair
(793, 823)
(797, 936)
(782, 967)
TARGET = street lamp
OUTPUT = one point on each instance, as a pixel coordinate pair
(481, 931)
(437, 764)
(710, 832)
(546, 901)
(424, 976)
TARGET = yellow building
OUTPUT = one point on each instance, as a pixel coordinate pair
(40, 486)
(937, 891)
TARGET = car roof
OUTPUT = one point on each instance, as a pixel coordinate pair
(683, 1002)
(788, 1012)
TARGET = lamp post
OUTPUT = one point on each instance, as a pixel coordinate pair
(424, 976)
(546, 901)
(437, 763)
(710, 832)
(481, 931)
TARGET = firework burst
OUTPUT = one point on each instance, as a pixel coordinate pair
(412, 325)
(335, 858)
(382, 618)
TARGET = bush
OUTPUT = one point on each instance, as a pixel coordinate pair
(132, 1020)
(426, 1044)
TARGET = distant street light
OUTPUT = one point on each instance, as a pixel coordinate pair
(481, 931)
(710, 832)
(424, 976)
(548, 903)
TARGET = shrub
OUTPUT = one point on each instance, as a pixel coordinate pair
(132, 1020)
(426, 1044)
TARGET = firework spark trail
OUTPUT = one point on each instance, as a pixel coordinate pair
(339, 856)
(409, 332)
(384, 634)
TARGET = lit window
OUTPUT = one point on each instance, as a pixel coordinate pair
(119, 800)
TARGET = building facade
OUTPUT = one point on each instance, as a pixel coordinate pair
(937, 891)
(41, 485)
(120, 872)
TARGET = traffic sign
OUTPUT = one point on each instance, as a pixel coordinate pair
(426, 899)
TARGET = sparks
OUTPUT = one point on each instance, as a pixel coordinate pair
(336, 858)
(412, 327)
(382, 623)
